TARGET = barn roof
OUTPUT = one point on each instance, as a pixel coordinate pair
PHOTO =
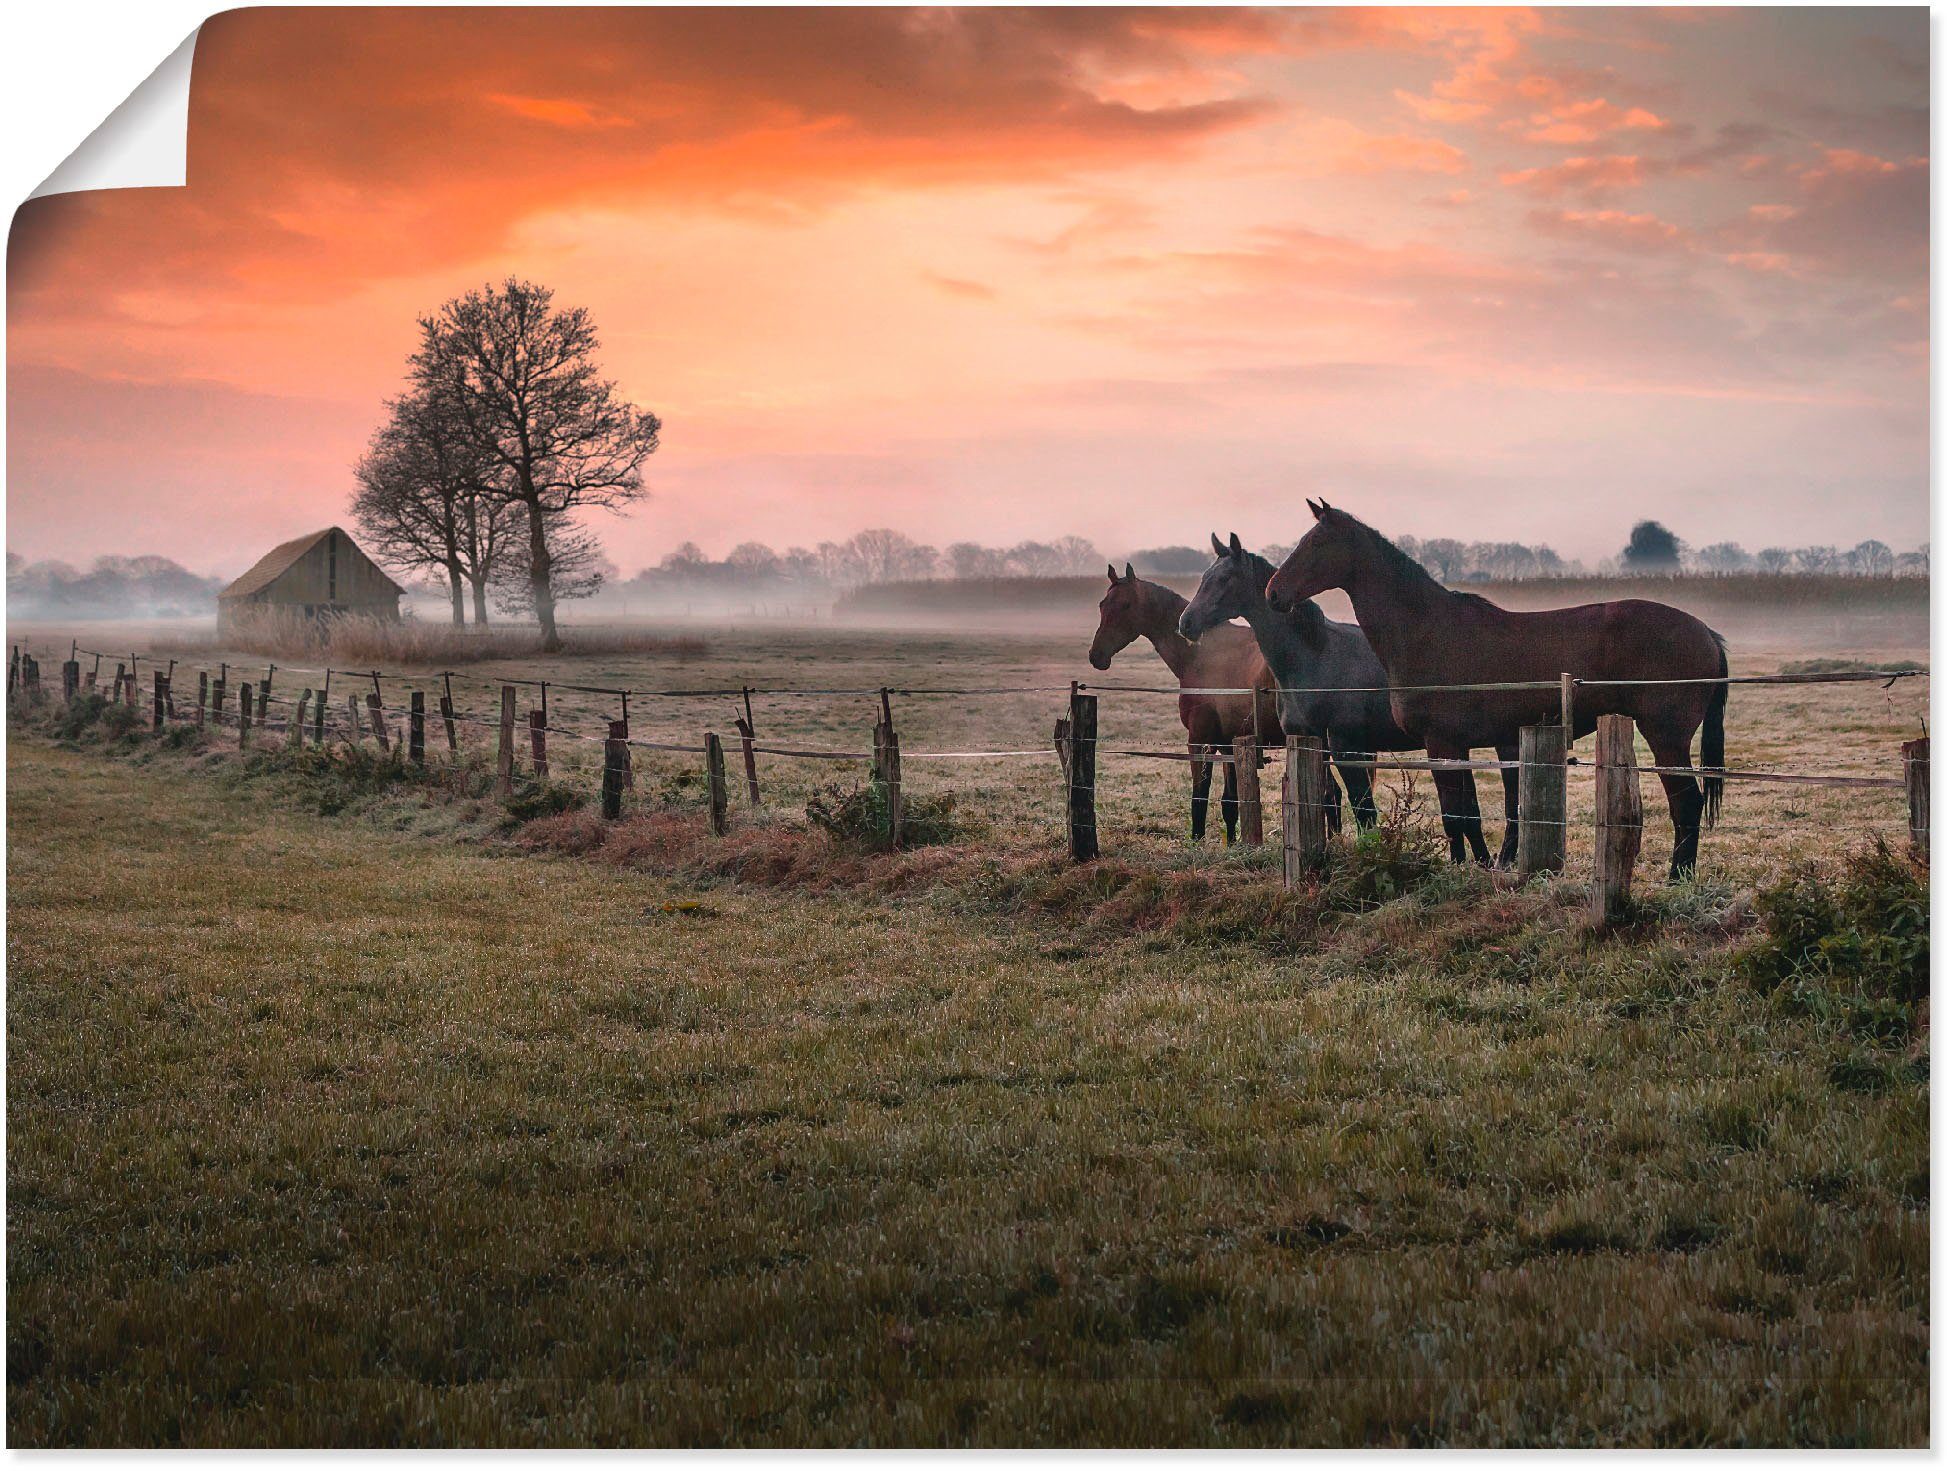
(279, 560)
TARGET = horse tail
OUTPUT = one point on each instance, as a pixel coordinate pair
(1713, 748)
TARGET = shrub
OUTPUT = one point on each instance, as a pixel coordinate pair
(534, 799)
(1852, 949)
(1387, 861)
(860, 817)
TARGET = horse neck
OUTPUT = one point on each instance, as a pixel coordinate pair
(1161, 608)
(1396, 602)
(1282, 637)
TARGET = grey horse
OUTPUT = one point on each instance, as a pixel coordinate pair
(1308, 653)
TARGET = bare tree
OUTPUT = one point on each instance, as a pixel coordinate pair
(1873, 558)
(577, 567)
(426, 499)
(1724, 556)
(520, 374)
(883, 555)
(1775, 559)
(1444, 557)
(752, 561)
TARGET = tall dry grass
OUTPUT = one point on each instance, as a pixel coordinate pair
(362, 639)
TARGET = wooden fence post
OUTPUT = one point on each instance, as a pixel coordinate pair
(155, 713)
(128, 691)
(1914, 755)
(218, 688)
(13, 669)
(505, 777)
(243, 716)
(615, 759)
(618, 730)
(719, 788)
(70, 679)
(202, 696)
(356, 721)
(537, 731)
(1250, 803)
(377, 708)
(115, 692)
(747, 728)
(169, 690)
(30, 672)
(1618, 815)
(1309, 798)
(318, 713)
(1568, 710)
(1084, 842)
(297, 720)
(895, 791)
(1542, 844)
(446, 715)
(416, 729)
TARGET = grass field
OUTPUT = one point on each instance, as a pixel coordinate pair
(394, 1126)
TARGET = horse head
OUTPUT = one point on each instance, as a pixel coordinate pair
(1226, 591)
(1122, 616)
(1327, 557)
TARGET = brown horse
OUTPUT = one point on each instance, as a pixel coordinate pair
(1224, 658)
(1426, 635)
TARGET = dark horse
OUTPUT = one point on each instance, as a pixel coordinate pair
(1426, 635)
(1134, 609)
(1311, 656)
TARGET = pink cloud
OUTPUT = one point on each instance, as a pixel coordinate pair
(1601, 174)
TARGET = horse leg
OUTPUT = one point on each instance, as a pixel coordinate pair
(1230, 802)
(1686, 798)
(1511, 787)
(1199, 794)
(1460, 804)
(1358, 790)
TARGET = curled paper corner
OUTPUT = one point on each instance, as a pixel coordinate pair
(143, 144)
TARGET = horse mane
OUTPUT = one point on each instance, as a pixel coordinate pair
(1409, 568)
(1307, 619)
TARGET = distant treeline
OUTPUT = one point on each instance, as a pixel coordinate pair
(113, 587)
(874, 556)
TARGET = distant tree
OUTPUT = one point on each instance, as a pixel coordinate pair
(1724, 556)
(1171, 561)
(1076, 556)
(1033, 559)
(752, 561)
(1775, 559)
(883, 555)
(800, 564)
(971, 559)
(1871, 558)
(1444, 558)
(1653, 547)
(1911, 564)
(687, 560)
(520, 375)
(1817, 559)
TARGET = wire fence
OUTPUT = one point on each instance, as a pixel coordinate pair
(227, 698)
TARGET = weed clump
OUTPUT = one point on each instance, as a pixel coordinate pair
(1386, 861)
(861, 817)
(535, 799)
(1851, 949)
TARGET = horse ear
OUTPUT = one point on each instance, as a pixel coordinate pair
(1128, 571)
(1317, 507)
(1216, 545)
(1112, 576)
(1236, 546)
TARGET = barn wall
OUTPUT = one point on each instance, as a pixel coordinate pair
(307, 583)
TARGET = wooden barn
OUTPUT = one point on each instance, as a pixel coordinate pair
(315, 575)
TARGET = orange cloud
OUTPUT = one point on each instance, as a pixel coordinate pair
(562, 112)
(1602, 174)
(1616, 229)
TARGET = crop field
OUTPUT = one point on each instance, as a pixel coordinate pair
(345, 1108)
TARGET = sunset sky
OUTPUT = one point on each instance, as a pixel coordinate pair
(1001, 274)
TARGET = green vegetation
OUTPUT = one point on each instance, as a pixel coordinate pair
(344, 1132)
(861, 816)
(1854, 948)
